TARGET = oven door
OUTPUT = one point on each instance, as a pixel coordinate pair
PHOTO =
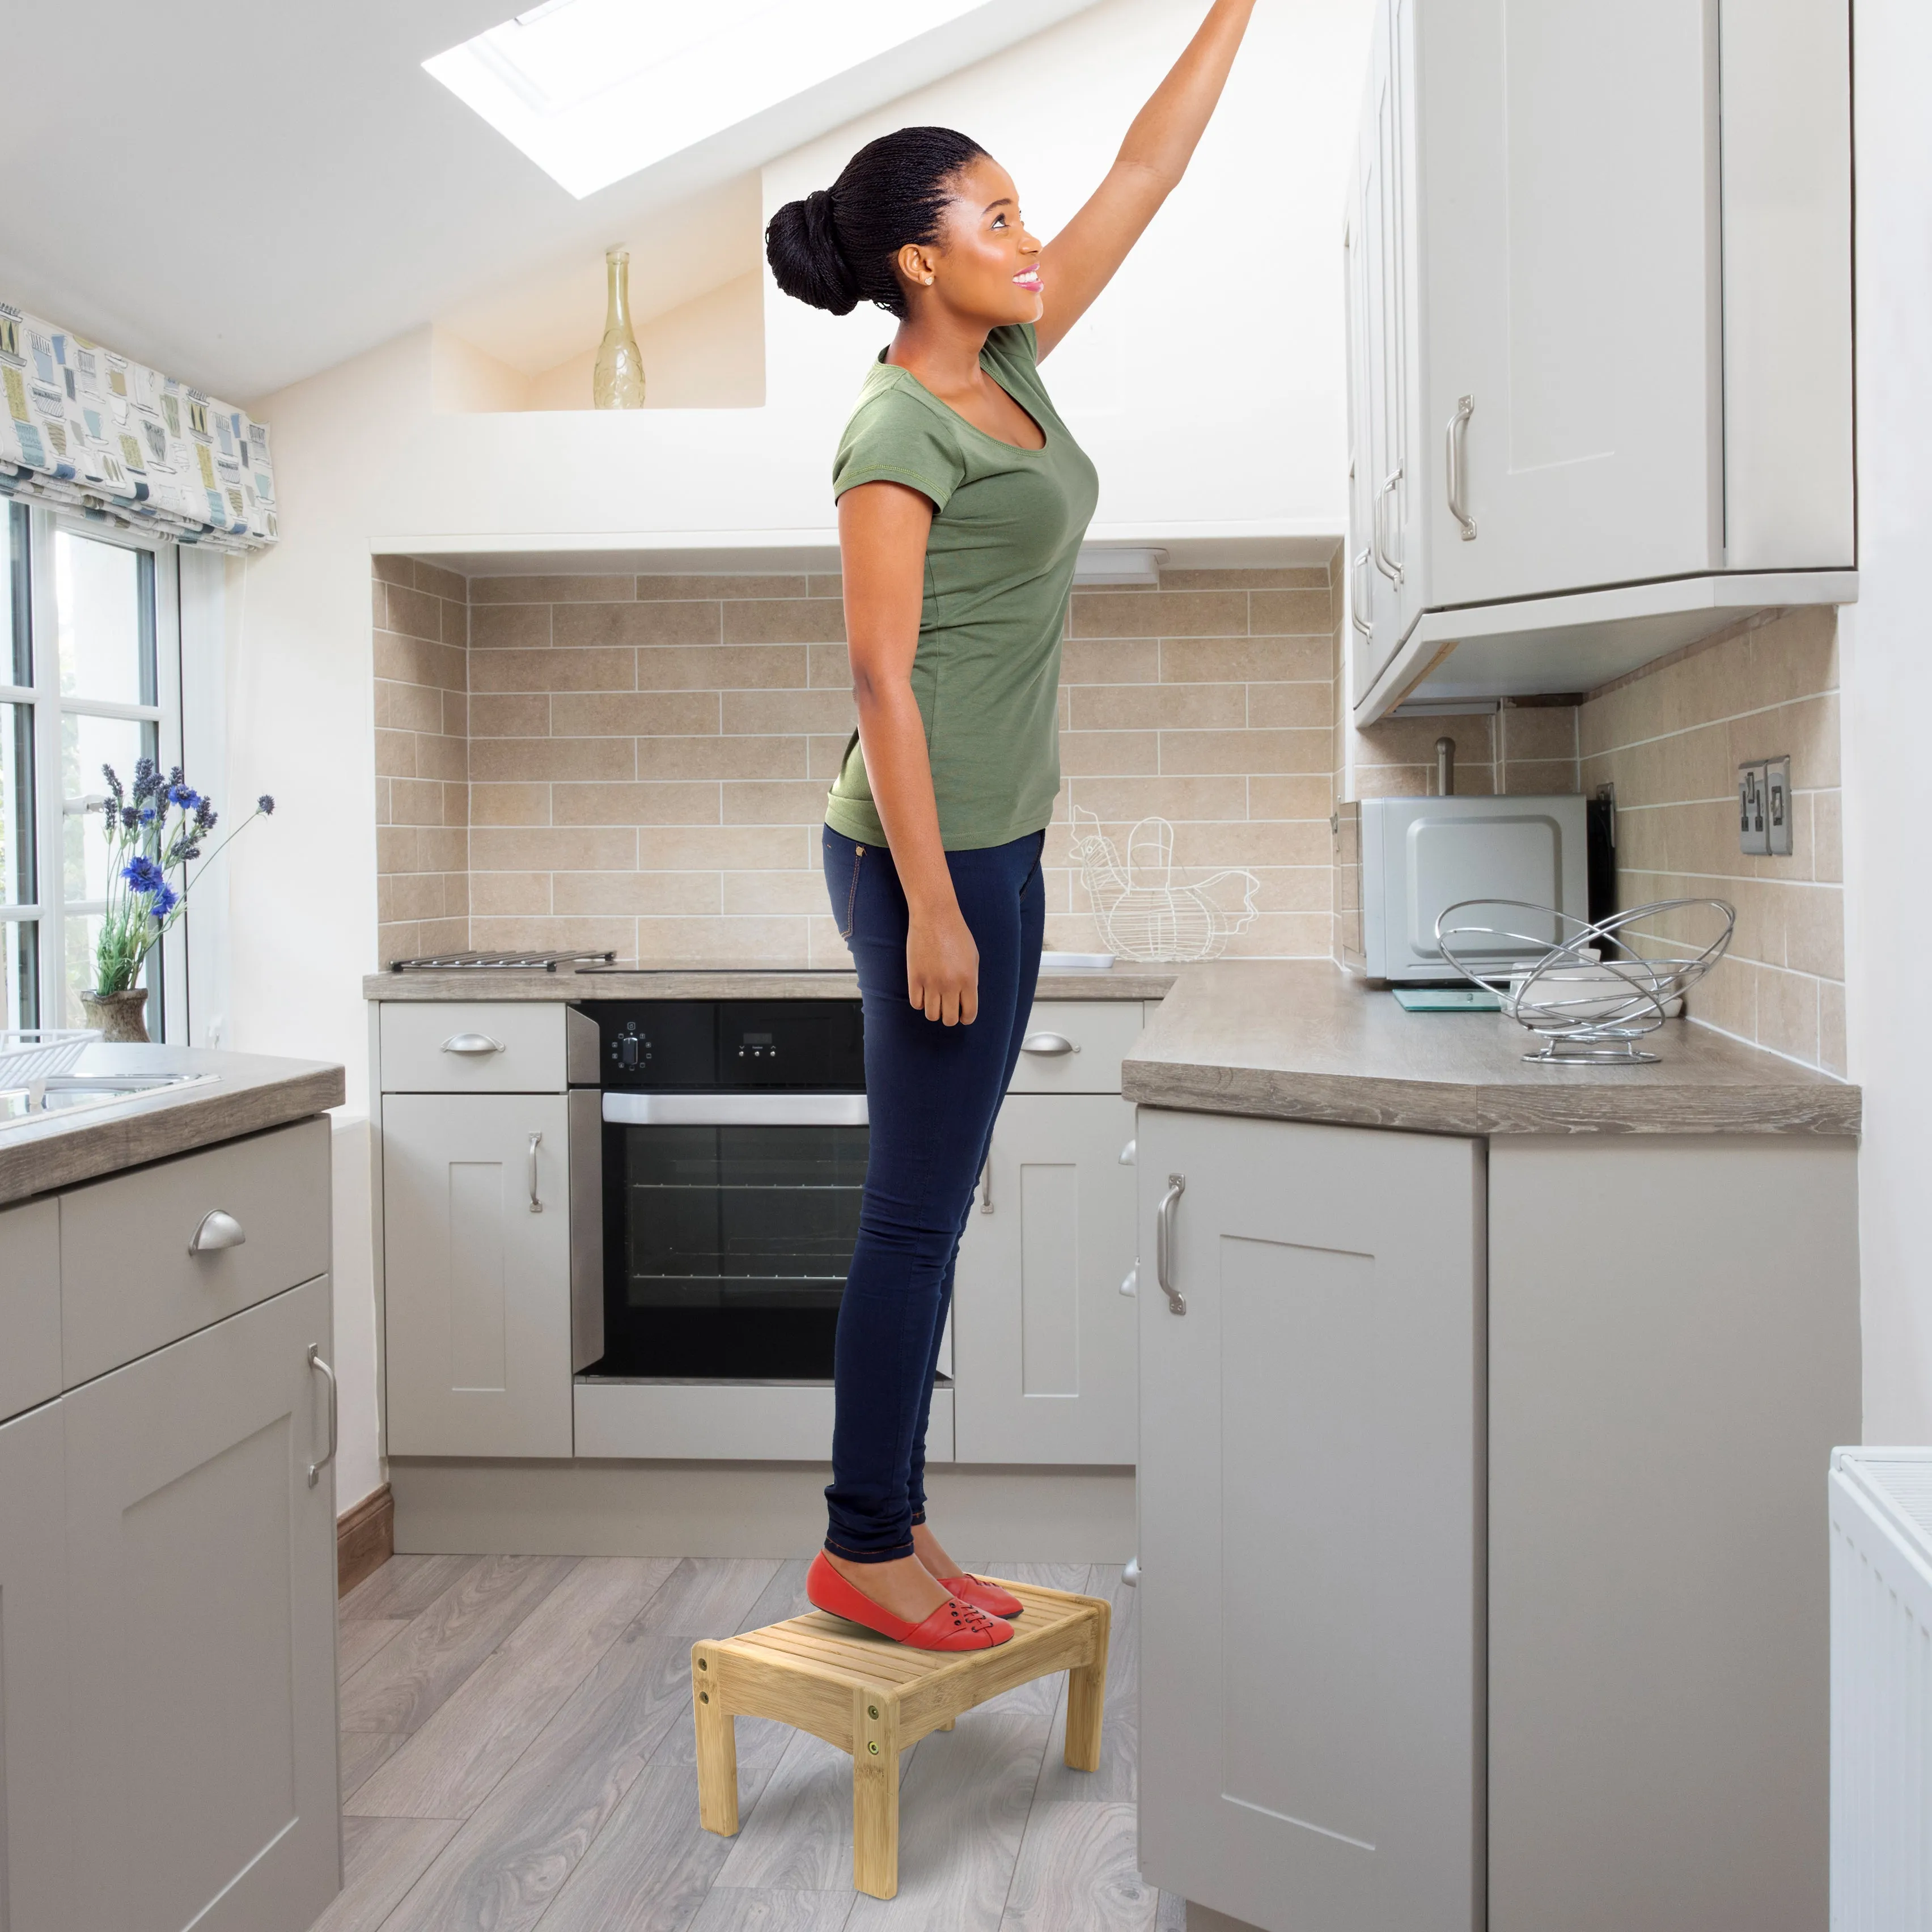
(729, 1221)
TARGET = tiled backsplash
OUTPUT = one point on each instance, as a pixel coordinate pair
(1671, 738)
(641, 763)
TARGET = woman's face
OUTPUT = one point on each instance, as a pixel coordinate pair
(985, 267)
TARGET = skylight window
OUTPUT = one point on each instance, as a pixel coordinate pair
(592, 91)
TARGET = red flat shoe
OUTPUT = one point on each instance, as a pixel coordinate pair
(953, 1626)
(984, 1596)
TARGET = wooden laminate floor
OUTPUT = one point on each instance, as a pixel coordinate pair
(517, 1752)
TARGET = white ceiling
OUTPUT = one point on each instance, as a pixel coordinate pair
(243, 194)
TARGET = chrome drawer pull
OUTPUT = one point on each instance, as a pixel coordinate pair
(1130, 1281)
(986, 1184)
(536, 1142)
(472, 1042)
(1163, 1243)
(217, 1231)
(1455, 462)
(1048, 1046)
(1127, 1154)
(315, 1361)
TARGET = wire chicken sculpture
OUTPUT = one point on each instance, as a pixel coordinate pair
(1144, 911)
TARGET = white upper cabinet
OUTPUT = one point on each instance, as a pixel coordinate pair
(1599, 266)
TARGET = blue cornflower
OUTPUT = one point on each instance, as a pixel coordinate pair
(144, 875)
(265, 804)
(184, 796)
(165, 901)
(147, 815)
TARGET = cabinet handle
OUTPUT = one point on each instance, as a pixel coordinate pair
(472, 1042)
(536, 1142)
(986, 1184)
(217, 1231)
(1127, 1154)
(315, 1361)
(1130, 1281)
(1457, 464)
(1364, 628)
(1392, 571)
(1048, 1046)
(1163, 1243)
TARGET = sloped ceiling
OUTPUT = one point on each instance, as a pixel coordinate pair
(244, 194)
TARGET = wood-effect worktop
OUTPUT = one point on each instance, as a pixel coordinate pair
(1298, 1040)
(697, 983)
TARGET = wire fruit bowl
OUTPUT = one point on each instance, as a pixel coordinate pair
(39, 1053)
(1589, 1008)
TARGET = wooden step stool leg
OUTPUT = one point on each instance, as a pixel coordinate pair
(1087, 1699)
(875, 1792)
(717, 1746)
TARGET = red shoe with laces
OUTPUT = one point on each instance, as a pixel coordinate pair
(984, 1596)
(955, 1625)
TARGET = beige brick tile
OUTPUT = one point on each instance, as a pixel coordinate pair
(763, 849)
(414, 613)
(1244, 660)
(1150, 707)
(439, 757)
(399, 849)
(555, 935)
(1109, 754)
(1284, 889)
(510, 715)
(790, 891)
(572, 759)
(1411, 741)
(559, 669)
(1787, 1014)
(456, 804)
(637, 894)
(723, 667)
(635, 714)
(416, 661)
(824, 583)
(824, 946)
(455, 623)
(1109, 661)
(636, 804)
(721, 758)
(380, 610)
(1538, 732)
(1124, 800)
(407, 707)
(456, 714)
(415, 801)
(549, 590)
(1160, 614)
(1726, 998)
(409, 895)
(1304, 706)
(1290, 614)
(603, 625)
(687, 588)
(509, 627)
(551, 849)
(801, 802)
(395, 570)
(1814, 930)
(1797, 656)
(771, 713)
(399, 941)
(1313, 577)
(508, 894)
(1807, 728)
(1827, 847)
(1203, 847)
(441, 583)
(1532, 777)
(830, 667)
(1284, 935)
(1419, 781)
(1832, 1028)
(785, 620)
(1183, 752)
(456, 895)
(1276, 797)
(825, 757)
(509, 804)
(745, 941)
(443, 848)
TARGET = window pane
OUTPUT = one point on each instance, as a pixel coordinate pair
(16, 805)
(105, 596)
(86, 744)
(16, 654)
(20, 972)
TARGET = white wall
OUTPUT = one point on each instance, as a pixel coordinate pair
(1887, 680)
(1210, 395)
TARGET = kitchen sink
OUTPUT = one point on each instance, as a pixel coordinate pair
(62, 1094)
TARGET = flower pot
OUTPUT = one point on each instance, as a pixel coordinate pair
(120, 1016)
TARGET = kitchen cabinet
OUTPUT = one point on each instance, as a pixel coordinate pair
(201, 1560)
(477, 1271)
(1599, 280)
(1043, 1338)
(1311, 1717)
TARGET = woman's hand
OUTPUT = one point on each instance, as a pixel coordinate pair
(943, 967)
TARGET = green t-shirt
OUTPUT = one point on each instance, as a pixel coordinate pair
(999, 567)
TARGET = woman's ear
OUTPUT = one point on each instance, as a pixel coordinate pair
(915, 262)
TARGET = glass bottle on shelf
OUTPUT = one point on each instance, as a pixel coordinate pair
(617, 383)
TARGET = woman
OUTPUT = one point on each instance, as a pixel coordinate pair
(962, 501)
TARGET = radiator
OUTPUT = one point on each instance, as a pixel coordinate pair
(1881, 1516)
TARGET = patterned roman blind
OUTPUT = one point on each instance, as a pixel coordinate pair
(90, 430)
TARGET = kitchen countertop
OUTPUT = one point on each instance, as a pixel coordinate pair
(1299, 1040)
(249, 1093)
(698, 983)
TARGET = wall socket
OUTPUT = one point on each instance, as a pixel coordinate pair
(1764, 807)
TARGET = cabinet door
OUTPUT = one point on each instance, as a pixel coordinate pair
(34, 1842)
(1566, 178)
(202, 1582)
(1310, 1747)
(476, 1273)
(1043, 1339)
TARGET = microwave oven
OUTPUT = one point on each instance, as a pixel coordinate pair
(1403, 860)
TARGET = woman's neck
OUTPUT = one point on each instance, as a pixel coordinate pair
(942, 351)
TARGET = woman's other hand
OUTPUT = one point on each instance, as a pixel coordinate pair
(943, 967)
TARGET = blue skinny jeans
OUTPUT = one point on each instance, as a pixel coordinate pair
(931, 1092)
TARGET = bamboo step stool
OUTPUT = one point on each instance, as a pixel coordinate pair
(873, 1697)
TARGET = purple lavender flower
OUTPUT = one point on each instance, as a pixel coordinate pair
(265, 804)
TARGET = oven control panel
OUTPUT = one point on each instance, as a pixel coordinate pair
(718, 1045)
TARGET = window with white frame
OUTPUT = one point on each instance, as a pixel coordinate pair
(90, 675)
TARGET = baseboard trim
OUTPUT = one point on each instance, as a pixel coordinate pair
(365, 1538)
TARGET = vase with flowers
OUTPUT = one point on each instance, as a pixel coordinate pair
(153, 829)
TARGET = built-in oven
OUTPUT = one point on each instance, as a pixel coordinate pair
(732, 1156)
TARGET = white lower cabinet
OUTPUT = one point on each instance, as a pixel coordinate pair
(1310, 1731)
(1043, 1338)
(476, 1267)
(201, 1565)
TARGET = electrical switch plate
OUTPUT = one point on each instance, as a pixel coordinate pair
(1753, 833)
(1777, 806)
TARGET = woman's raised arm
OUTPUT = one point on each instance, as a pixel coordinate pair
(1080, 261)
